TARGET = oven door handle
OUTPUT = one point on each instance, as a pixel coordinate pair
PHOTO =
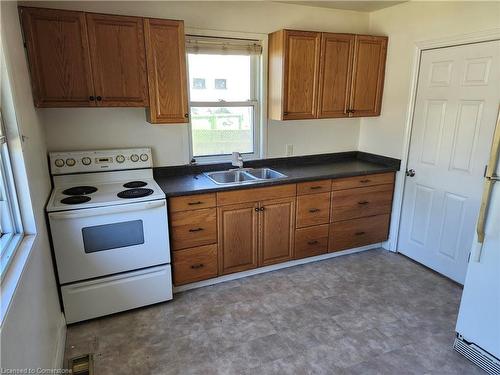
(91, 212)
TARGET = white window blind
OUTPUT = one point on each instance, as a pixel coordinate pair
(222, 46)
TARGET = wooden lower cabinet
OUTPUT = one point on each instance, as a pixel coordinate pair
(195, 264)
(358, 232)
(193, 228)
(311, 241)
(238, 236)
(277, 218)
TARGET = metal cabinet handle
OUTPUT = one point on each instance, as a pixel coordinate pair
(363, 202)
(196, 230)
(196, 266)
(285, 113)
(359, 233)
(315, 187)
(194, 203)
(313, 210)
(312, 242)
(257, 209)
(365, 181)
(91, 97)
(99, 98)
(186, 115)
(262, 209)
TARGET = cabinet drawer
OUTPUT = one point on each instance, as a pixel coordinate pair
(191, 202)
(358, 232)
(193, 228)
(313, 209)
(360, 181)
(195, 264)
(256, 194)
(311, 241)
(361, 202)
(314, 187)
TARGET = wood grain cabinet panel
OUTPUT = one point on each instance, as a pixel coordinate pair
(361, 202)
(294, 66)
(311, 241)
(368, 75)
(313, 209)
(358, 232)
(362, 181)
(256, 194)
(58, 54)
(193, 228)
(118, 58)
(195, 264)
(337, 52)
(238, 237)
(166, 64)
(277, 219)
(191, 202)
(313, 187)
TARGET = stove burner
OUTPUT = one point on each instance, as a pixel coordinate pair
(135, 193)
(135, 184)
(75, 199)
(80, 190)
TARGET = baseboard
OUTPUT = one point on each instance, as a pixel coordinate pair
(60, 344)
(274, 267)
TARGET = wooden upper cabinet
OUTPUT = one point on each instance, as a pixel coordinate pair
(368, 75)
(118, 58)
(57, 46)
(294, 71)
(166, 64)
(337, 52)
(277, 231)
(325, 75)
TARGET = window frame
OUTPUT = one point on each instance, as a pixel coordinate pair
(255, 101)
(9, 241)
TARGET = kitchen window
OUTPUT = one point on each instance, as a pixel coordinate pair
(11, 230)
(225, 114)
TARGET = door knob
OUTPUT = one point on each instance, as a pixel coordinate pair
(410, 172)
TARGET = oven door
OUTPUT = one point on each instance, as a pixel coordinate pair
(95, 242)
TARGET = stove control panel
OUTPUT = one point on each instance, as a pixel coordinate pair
(99, 160)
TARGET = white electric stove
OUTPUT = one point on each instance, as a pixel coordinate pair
(108, 221)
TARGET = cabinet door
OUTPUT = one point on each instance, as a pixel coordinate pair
(335, 74)
(301, 68)
(277, 218)
(238, 235)
(368, 75)
(166, 62)
(58, 54)
(118, 60)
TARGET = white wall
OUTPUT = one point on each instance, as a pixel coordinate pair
(99, 128)
(406, 24)
(34, 322)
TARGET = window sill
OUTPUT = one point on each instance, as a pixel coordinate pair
(14, 273)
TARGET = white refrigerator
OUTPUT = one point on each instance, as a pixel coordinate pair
(478, 324)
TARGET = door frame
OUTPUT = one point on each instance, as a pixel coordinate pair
(420, 46)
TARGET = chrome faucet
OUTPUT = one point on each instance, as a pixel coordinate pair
(237, 160)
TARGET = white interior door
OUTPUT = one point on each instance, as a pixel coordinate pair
(455, 115)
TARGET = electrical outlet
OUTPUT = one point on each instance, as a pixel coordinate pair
(289, 150)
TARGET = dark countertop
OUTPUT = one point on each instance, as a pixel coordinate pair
(185, 180)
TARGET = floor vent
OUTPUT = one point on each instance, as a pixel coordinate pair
(477, 356)
(83, 365)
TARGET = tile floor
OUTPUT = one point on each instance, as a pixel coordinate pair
(368, 313)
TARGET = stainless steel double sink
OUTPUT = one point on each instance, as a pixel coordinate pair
(243, 176)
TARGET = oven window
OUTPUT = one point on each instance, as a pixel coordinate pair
(113, 236)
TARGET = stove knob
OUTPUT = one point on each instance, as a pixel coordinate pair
(59, 163)
(86, 160)
(120, 159)
(134, 157)
(70, 162)
(144, 157)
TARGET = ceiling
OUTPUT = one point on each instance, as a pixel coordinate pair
(360, 6)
